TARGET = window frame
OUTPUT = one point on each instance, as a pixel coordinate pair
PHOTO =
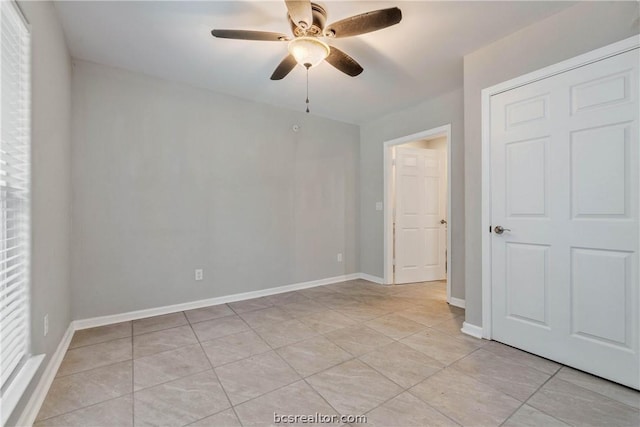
(15, 386)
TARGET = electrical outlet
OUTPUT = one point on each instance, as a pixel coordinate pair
(378, 206)
(46, 324)
(339, 257)
(199, 274)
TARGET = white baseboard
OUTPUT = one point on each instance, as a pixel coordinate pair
(30, 412)
(473, 330)
(457, 302)
(369, 277)
(157, 311)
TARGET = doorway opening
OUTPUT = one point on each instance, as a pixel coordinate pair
(417, 208)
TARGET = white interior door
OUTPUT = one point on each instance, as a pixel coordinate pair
(564, 180)
(420, 200)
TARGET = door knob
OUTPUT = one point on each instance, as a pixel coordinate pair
(500, 229)
(443, 221)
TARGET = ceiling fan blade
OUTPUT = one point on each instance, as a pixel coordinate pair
(284, 68)
(364, 23)
(300, 12)
(250, 35)
(343, 62)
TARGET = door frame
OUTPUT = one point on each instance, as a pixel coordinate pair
(550, 71)
(440, 131)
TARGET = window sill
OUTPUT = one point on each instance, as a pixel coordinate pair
(17, 387)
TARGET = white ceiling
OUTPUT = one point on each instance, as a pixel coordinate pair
(403, 65)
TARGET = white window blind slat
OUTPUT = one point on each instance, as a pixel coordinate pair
(11, 362)
(11, 316)
(15, 170)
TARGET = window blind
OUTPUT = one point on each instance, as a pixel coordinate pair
(14, 189)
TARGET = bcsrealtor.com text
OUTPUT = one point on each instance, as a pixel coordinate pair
(318, 418)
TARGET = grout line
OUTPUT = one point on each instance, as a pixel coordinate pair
(213, 369)
(40, 420)
(94, 368)
(530, 396)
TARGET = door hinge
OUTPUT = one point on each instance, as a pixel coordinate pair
(490, 229)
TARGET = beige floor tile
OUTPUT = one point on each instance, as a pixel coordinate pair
(285, 333)
(255, 376)
(425, 316)
(168, 339)
(407, 410)
(353, 388)
(294, 399)
(100, 334)
(226, 418)
(216, 328)
(394, 303)
(527, 416)
(77, 391)
(465, 400)
(208, 313)
(303, 309)
(314, 292)
(337, 300)
(395, 326)
(116, 412)
(450, 326)
(232, 348)
(168, 365)
(316, 333)
(94, 356)
(327, 321)
(402, 364)
(511, 378)
(363, 312)
(522, 357)
(313, 355)
(250, 305)
(158, 323)
(180, 402)
(358, 340)
(607, 388)
(578, 406)
(265, 317)
(287, 298)
(440, 346)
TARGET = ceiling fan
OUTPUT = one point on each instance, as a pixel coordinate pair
(307, 48)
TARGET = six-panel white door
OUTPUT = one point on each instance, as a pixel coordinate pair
(420, 200)
(564, 180)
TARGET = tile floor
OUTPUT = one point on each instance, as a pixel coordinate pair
(394, 354)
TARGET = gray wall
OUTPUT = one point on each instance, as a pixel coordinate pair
(168, 178)
(576, 30)
(51, 184)
(436, 112)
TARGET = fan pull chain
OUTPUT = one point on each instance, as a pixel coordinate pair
(307, 66)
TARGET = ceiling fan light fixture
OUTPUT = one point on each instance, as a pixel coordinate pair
(308, 51)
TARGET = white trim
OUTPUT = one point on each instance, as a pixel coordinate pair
(369, 277)
(444, 131)
(561, 67)
(149, 312)
(457, 302)
(30, 412)
(17, 387)
(472, 330)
